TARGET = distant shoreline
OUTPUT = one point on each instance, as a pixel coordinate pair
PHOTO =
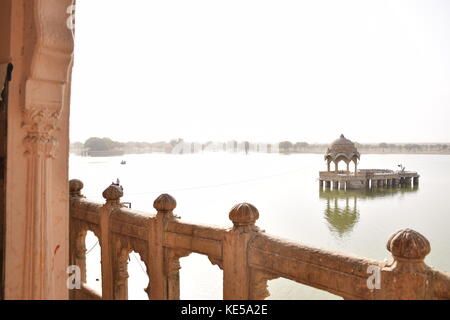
(104, 146)
(282, 153)
(380, 152)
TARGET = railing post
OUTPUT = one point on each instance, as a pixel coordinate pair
(159, 284)
(112, 194)
(77, 246)
(407, 277)
(236, 270)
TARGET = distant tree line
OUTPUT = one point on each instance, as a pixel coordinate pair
(107, 146)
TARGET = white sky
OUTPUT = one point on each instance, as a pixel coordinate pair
(260, 70)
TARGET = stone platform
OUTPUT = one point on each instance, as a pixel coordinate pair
(367, 178)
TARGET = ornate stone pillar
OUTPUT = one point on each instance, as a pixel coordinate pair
(37, 219)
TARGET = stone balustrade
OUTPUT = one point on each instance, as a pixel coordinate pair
(247, 255)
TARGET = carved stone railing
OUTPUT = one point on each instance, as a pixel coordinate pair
(247, 256)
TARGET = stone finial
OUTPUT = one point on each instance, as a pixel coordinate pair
(75, 187)
(244, 214)
(113, 193)
(165, 203)
(408, 244)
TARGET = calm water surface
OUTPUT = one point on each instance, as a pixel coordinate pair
(285, 190)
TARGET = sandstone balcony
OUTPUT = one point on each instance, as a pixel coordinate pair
(247, 255)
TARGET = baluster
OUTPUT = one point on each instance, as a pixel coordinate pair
(173, 271)
(159, 283)
(121, 273)
(407, 277)
(112, 194)
(77, 235)
(236, 271)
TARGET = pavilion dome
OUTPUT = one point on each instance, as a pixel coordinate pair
(342, 149)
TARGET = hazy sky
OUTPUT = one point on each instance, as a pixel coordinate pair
(262, 70)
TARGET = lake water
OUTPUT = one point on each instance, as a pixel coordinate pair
(285, 190)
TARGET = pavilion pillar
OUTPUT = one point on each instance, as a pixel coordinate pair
(408, 182)
(416, 181)
(335, 185)
(395, 182)
(389, 183)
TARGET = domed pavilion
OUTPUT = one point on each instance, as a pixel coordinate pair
(345, 150)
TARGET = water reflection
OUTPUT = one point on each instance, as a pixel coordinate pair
(342, 211)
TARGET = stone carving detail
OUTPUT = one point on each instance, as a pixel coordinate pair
(217, 262)
(75, 187)
(165, 204)
(409, 249)
(113, 193)
(173, 267)
(120, 271)
(244, 216)
(408, 244)
(39, 140)
(79, 254)
(173, 257)
(258, 288)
